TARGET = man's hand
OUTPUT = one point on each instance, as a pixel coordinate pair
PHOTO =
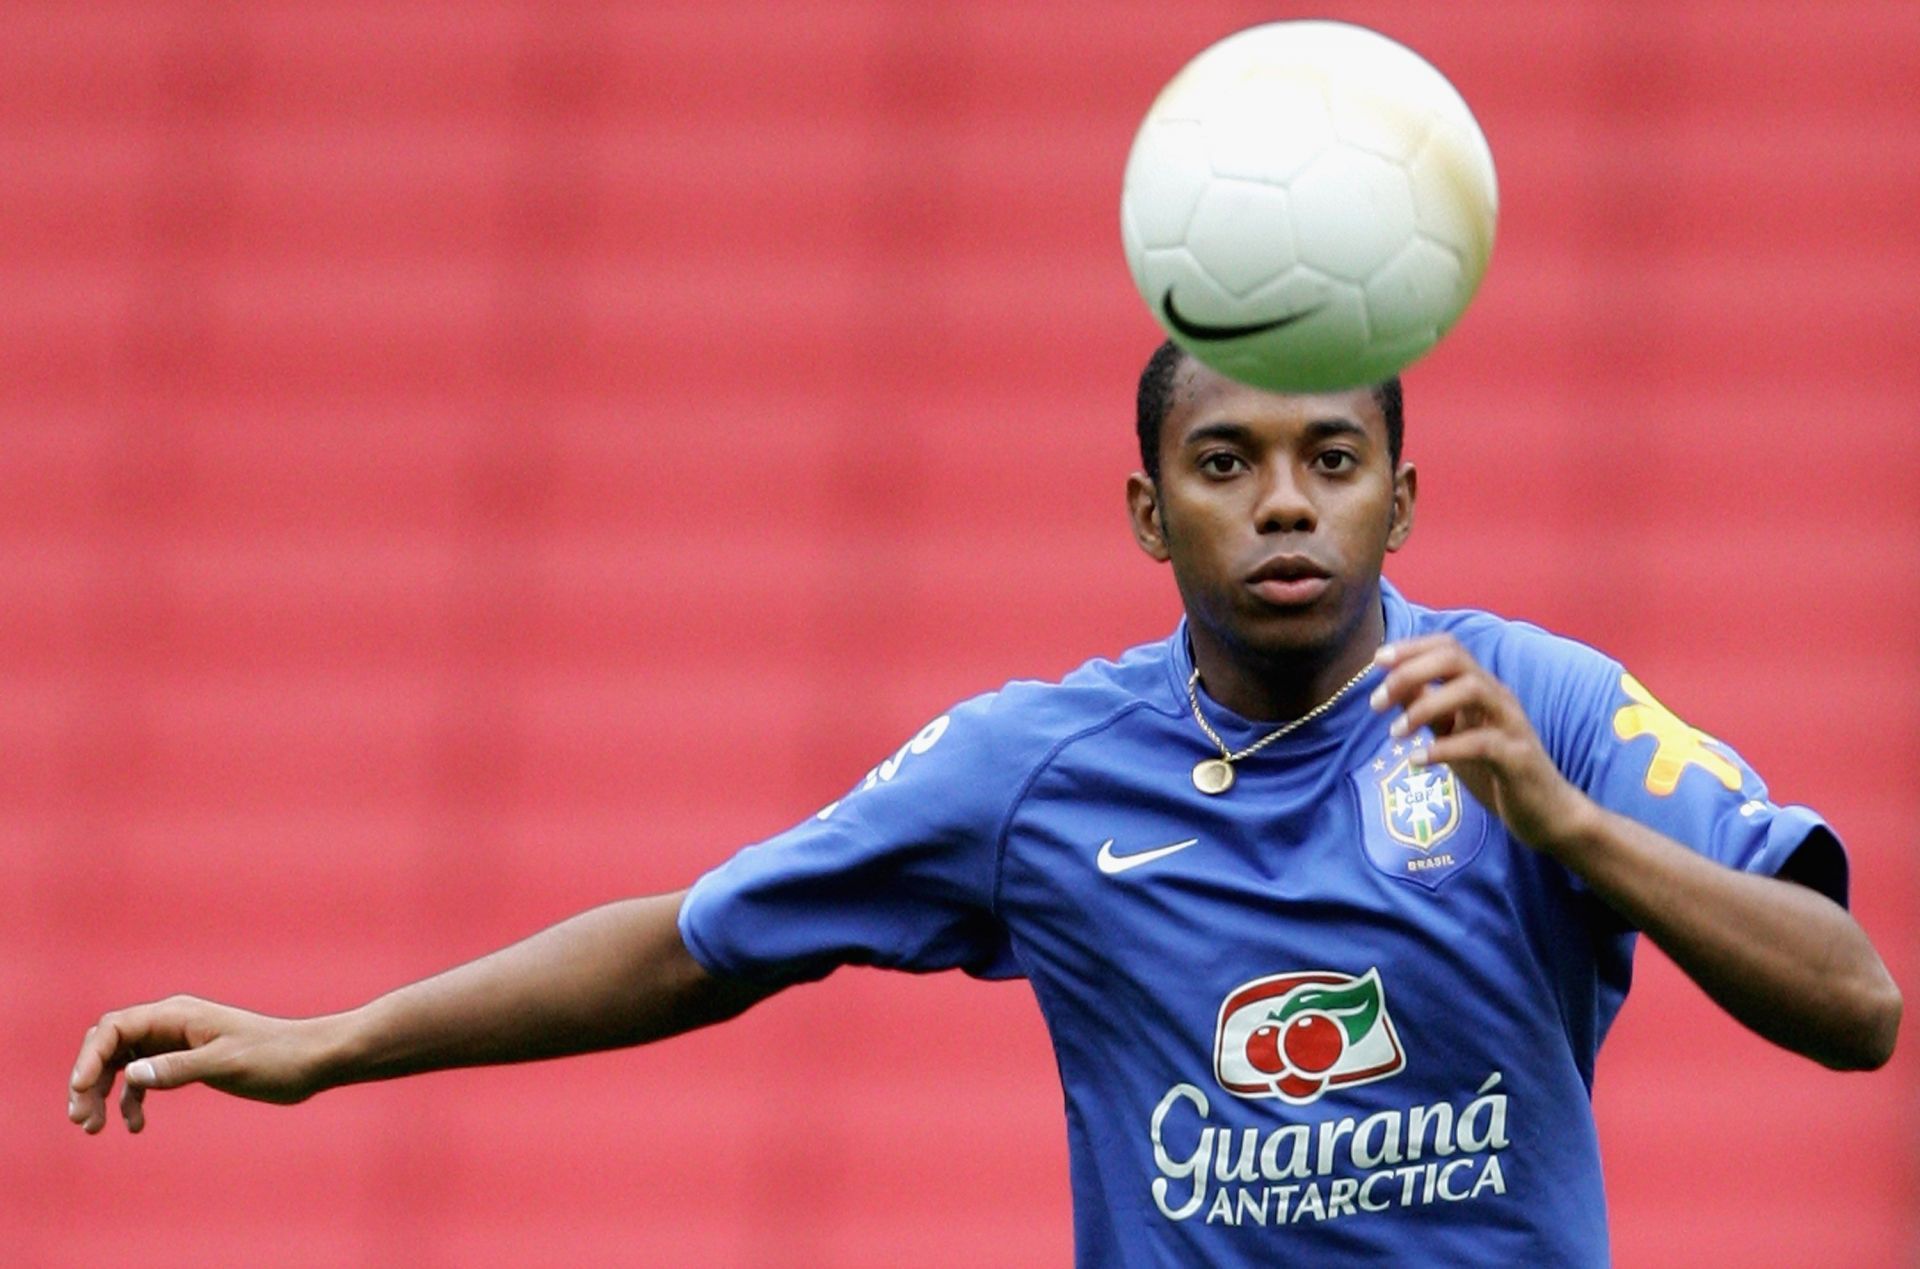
(184, 1040)
(1482, 733)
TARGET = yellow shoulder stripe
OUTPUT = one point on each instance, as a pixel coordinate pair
(1676, 745)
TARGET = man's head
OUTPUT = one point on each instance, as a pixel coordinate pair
(1155, 395)
(1276, 511)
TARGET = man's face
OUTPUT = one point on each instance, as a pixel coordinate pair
(1276, 513)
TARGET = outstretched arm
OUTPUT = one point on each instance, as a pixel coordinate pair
(1783, 959)
(613, 976)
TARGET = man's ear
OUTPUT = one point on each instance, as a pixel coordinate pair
(1143, 508)
(1406, 484)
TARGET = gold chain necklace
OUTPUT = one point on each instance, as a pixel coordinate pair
(1215, 775)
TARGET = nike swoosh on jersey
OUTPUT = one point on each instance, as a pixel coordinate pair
(1201, 330)
(1112, 864)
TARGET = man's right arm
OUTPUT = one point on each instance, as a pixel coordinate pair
(614, 976)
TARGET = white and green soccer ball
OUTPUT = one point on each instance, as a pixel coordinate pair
(1308, 206)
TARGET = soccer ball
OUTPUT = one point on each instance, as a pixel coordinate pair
(1308, 207)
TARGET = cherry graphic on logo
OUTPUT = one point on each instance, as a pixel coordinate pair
(1263, 1050)
(1313, 1042)
(1299, 1053)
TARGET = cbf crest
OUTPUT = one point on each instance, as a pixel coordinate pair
(1420, 825)
(1421, 804)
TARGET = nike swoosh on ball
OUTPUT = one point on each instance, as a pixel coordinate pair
(1202, 330)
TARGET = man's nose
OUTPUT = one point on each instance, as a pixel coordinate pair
(1284, 506)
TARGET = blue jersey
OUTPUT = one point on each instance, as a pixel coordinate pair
(1336, 1015)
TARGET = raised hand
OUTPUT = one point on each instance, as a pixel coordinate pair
(1481, 732)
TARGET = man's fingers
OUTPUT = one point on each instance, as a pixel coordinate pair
(96, 1054)
(1414, 670)
(80, 1083)
(85, 1065)
(92, 1078)
(119, 1039)
(93, 1109)
(1442, 689)
(132, 1107)
(170, 1070)
(80, 1105)
(1392, 654)
(1418, 679)
(1453, 751)
(1452, 706)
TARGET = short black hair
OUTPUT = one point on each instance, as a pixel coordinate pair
(1155, 397)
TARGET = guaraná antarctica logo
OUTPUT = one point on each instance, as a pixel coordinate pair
(1293, 1036)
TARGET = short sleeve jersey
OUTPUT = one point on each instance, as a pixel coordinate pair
(1335, 1015)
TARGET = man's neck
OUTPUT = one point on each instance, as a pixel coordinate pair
(1281, 688)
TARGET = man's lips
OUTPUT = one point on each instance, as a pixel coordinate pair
(1290, 593)
(1289, 581)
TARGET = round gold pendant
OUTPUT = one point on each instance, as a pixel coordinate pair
(1214, 775)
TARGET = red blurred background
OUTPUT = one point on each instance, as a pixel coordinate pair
(465, 462)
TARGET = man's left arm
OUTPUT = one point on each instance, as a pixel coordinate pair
(1782, 958)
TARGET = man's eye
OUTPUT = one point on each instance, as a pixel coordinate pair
(1220, 464)
(1336, 460)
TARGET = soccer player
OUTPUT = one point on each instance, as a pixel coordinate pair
(1328, 899)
